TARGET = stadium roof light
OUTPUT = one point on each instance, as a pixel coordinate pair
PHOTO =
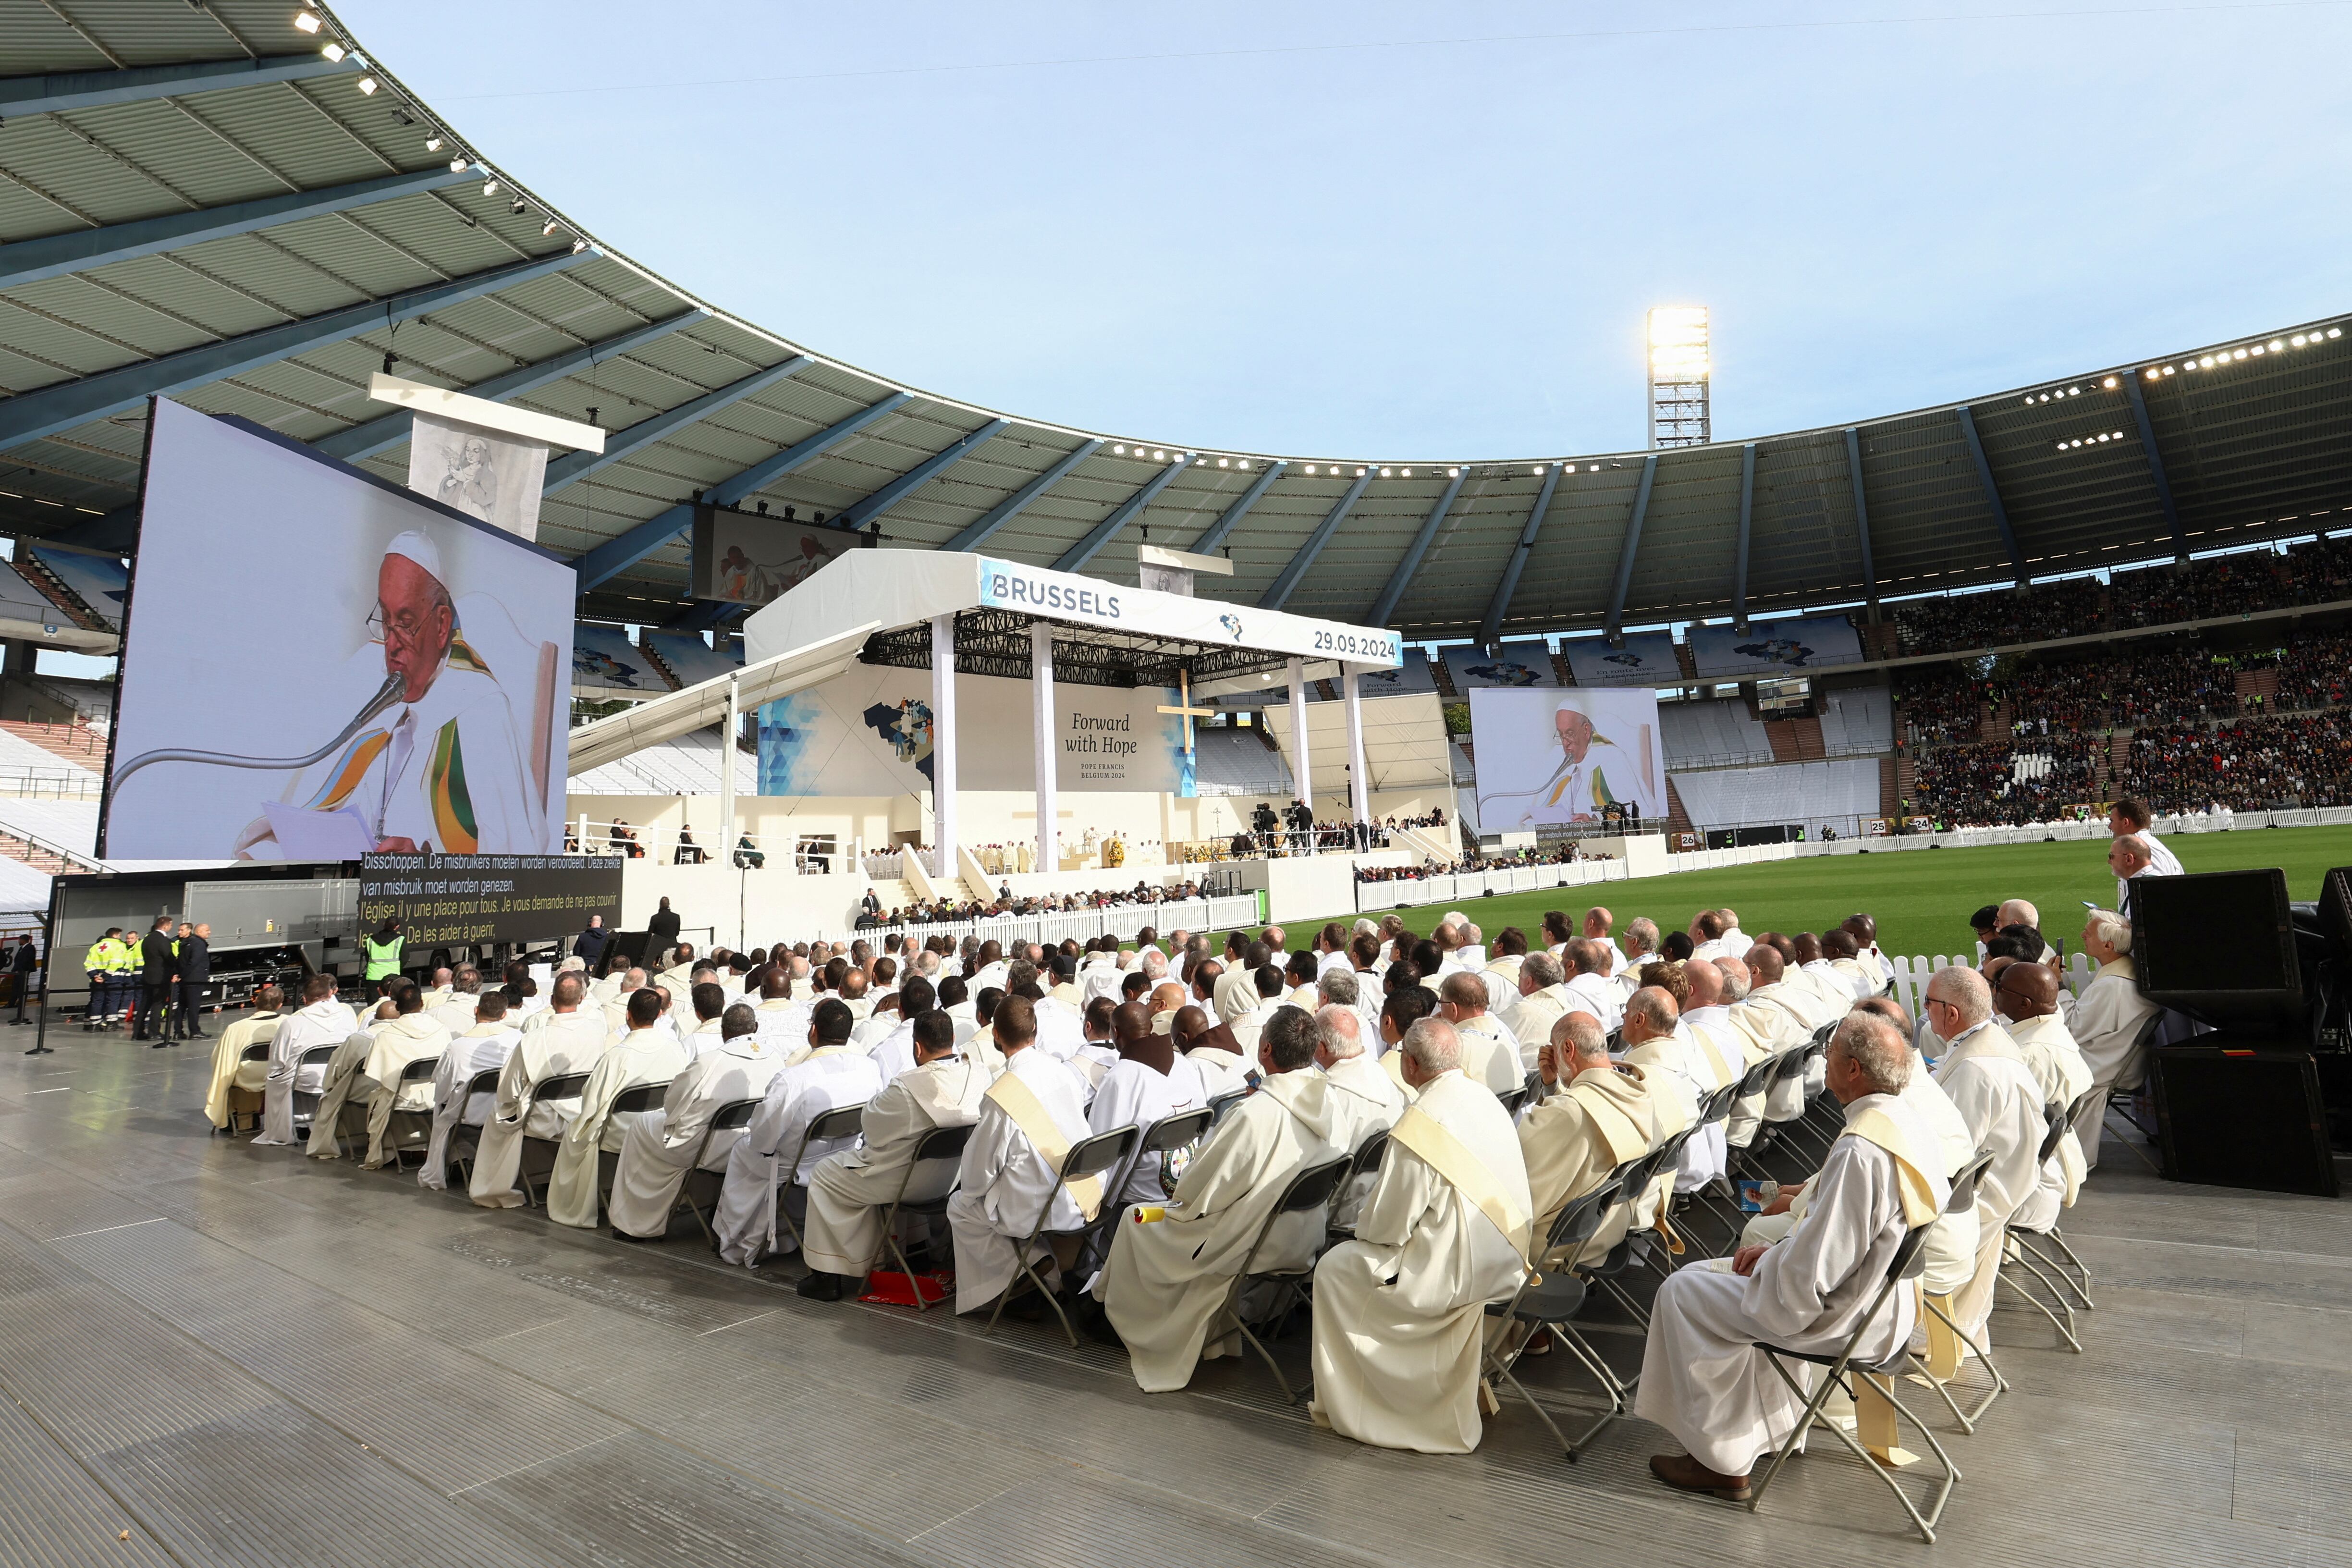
(2109, 383)
(2335, 331)
(333, 50)
(367, 87)
(306, 21)
(1678, 342)
(433, 143)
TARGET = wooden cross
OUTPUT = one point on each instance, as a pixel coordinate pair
(1184, 707)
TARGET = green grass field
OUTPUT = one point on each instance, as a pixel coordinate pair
(1921, 898)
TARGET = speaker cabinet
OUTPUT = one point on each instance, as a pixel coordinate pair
(2218, 945)
(2234, 1111)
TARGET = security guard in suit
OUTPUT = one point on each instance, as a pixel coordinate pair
(158, 966)
(196, 966)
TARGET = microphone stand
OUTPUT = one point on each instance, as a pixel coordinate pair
(385, 697)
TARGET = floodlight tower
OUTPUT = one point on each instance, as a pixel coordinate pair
(1678, 376)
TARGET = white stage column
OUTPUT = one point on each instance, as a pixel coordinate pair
(943, 745)
(1359, 787)
(726, 770)
(1048, 726)
(1302, 785)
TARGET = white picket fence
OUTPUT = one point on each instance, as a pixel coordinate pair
(1912, 974)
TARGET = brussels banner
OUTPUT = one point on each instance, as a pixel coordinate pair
(318, 664)
(443, 900)
(1546, 758)
(1090, 600)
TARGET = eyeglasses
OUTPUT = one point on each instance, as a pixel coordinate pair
(407, 626)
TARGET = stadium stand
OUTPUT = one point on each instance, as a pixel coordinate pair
(1711, 733)
(67, 823)
(2299, 760)
(94, 586)
(687, 765)
(1857, 720)
(1238, 762)
(1790, 793)
(2316, 672)
(1966, 622)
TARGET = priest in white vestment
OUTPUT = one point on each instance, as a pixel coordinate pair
(1543, 997)
(1769, 1020)
(2026, 998)
(483, 1048)
(321, 1020)
(665, 1145)
(1400, 1312)
(1490, 1052)
(1996, 1093)
(572, 1040)
(1011, 1178)
(1364, 1100)
(1147, 1083)
(230, 1070)
(1702, 1378)
(1501, 972)
(829, 1076)
(2107, 1021)
(850, 1189)
(647, 1054)
(1166, 1284)
(1595, 1117)
(408, 1035)
(455, 1012)
(1589, 982)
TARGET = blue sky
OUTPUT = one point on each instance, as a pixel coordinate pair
(1284, 241)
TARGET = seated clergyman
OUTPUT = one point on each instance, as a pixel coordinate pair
(1702, 1378)
(1400, 1312)
(1165, 1285)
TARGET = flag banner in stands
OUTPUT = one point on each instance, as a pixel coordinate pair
(1646, 659)
(318, 664)
(1512, 664)
(1774, 647)
(1551, 757)
(441, 900)
(867, 731)
(740, 558)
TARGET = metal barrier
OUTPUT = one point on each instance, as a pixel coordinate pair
(1121, 921)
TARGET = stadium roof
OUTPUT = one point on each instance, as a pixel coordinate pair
(199, 203)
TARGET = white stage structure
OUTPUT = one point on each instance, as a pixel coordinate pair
(952, 611)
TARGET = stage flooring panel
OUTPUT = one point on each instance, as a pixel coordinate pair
(200, 1325)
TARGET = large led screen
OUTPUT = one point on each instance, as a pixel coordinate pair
(319, 665)
(1552, 758)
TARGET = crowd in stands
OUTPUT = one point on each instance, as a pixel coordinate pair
(2300, 760)
(1942, 707)
(1965, 621)
(2316, 672)
(2006, 783)
(2150, 685)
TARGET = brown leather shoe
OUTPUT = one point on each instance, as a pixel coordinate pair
(1684, 1473)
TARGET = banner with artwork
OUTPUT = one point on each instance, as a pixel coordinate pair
(742, 558)
(1552, 757)
(604, 662)
(867, 731)
(1511, 664)
(1774, 647)
(1645, 658)
(486, 474)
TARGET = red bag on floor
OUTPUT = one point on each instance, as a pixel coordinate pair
(892, 1289)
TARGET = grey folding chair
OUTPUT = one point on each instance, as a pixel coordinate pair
(465, 1138)
(1964, 1199)
(409, 1130)
(1513, 1100)
(257, 1052)
(633, 1100)
(841, 1121)
(537, 1158)
(1366, 1160)
(1713, 1109)
(1549, 1302)
(1221, 1103)
(306, 1103)
(701, 1187)
(939, 1143)
(1310, 1190)
(1840, 1371)
(1093, 1156)
(2063, 1291)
